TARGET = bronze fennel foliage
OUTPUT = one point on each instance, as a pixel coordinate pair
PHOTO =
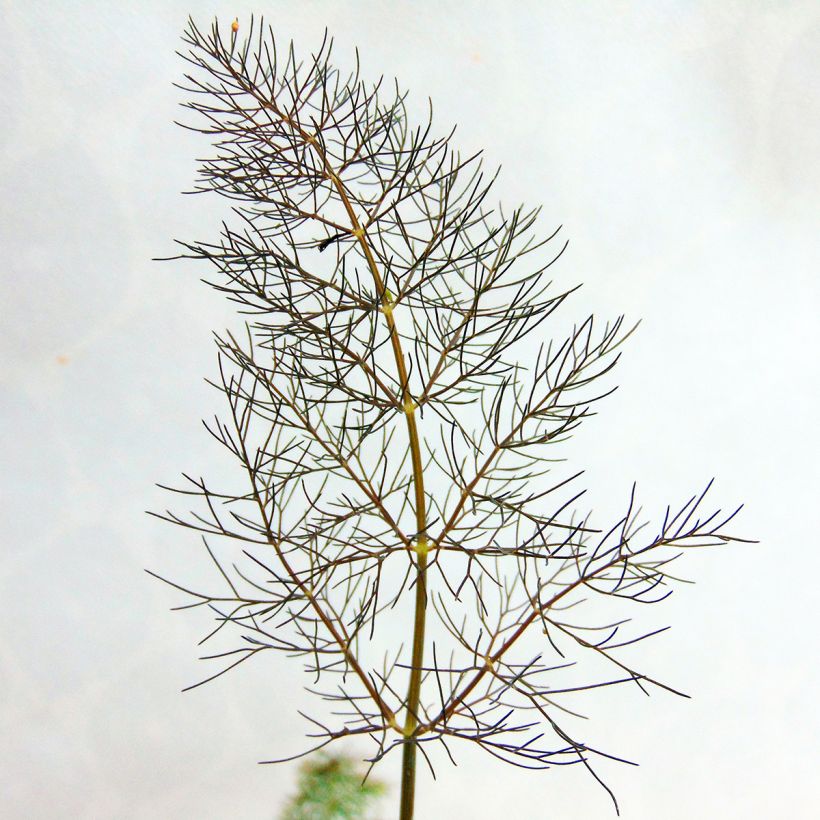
(396, 408)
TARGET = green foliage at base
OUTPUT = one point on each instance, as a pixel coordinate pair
(331, 788)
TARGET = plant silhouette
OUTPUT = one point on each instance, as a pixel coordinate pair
(397, 403)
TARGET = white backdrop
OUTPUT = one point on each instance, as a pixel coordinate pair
(678, 145)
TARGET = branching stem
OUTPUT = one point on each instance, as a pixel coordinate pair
(411, 721)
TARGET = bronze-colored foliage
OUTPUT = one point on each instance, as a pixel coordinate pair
(395, 406)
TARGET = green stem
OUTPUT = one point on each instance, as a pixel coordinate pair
(421, 548)
(408, 762)
(408, 775)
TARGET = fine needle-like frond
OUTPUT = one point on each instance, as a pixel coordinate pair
(395, 405)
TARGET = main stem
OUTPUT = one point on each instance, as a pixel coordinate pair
(411, 722)
(408, 761)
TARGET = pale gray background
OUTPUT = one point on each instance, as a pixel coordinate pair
(677, 143)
